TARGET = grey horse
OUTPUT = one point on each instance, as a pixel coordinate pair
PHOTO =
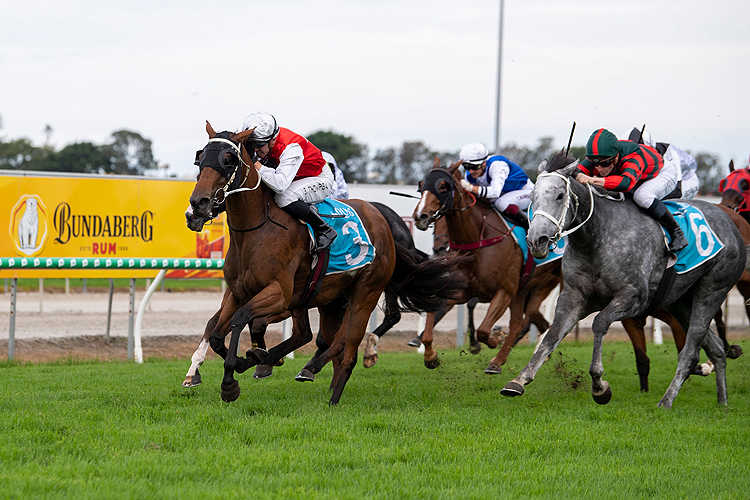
(614, 263)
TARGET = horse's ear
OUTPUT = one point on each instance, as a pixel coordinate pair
(542, 166)
(436, 162)
(243, 135)
(210, 130)
(568, 170)
(731, 165)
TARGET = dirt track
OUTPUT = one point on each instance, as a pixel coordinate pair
(74, 326)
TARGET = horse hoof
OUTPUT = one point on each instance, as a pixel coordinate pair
(475, 348)
(230, 392)
(512, 389)
(263, 371)
(257, 355)
(432, 363)
(664, 403)
(604, 397)
(734, 351)
(305, 375)
(369, 361)
(415, 342)
(193, 381)
(493, 369)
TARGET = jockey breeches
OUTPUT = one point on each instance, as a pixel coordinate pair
(521, 198)
(658, 187)
(690, 187)
(308, 189)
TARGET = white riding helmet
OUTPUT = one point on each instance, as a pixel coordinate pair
(264, 124)
(474, 153)
(328, 157)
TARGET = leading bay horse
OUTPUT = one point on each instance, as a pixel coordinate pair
(269, 263)
(614, 262)
(494, 275)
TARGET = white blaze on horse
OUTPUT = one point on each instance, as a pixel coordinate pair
(614, 263)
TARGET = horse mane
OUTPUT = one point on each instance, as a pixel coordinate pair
(558, 161)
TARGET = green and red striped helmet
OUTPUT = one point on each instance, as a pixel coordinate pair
(602, 144)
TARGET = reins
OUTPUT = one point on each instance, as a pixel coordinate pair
(570, 196)
(226, 192)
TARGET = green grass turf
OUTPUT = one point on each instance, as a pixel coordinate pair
(120, 430)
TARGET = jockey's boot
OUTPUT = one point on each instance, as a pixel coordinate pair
(658, 211)
(516, 216)
(324, 234)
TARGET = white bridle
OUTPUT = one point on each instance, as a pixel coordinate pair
(231, 178)
(559, 223)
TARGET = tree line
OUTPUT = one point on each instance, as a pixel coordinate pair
(127, 152)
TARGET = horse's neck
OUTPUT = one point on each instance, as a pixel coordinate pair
(466, 226)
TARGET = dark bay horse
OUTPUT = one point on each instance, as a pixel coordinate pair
(494, 274)
(614, 262)
(268, 265)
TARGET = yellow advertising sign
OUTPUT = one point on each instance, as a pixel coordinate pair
(50, 215)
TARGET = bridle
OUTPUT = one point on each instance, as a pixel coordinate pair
(221, 194)
(445, 199)
(570, 196)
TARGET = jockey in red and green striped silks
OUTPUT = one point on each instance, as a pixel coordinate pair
(628, 167)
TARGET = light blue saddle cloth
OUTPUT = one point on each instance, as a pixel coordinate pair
(703, 242)
(353, 247)
(519, 234)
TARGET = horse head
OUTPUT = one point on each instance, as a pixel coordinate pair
(441, 192)
(551, 202)
(735, 189)
(224, 155)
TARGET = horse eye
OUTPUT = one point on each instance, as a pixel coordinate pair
(744, 185)
(559, 197)
(443, 187)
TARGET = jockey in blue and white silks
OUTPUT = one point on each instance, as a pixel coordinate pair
(497, 179)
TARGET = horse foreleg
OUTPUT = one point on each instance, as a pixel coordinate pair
(514, 330)
(270, 301)
(498, 305)
(431, 359)
(571, 306)
(392, 316)
(474, 346)
(193, 376)
(637, 336)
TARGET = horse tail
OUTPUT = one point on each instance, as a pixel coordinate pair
(425, 285)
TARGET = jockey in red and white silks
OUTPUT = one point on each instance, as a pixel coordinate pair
(294, 169)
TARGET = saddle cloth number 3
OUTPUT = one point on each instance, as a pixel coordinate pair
(352, 227)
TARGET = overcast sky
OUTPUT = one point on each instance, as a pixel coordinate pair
(382, 71)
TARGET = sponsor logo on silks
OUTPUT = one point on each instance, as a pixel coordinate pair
(703, 243)
(28, 225)
(353, 247)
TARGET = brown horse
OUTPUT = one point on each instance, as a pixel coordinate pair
(268, 265)
(495, 272)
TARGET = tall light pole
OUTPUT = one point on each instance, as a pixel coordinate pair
(499, 80)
